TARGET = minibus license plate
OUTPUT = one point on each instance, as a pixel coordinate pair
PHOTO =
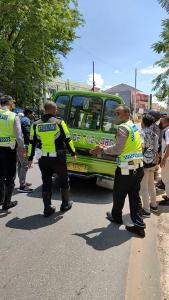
(77, 167)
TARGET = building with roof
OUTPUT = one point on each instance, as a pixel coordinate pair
(130, 94)
(59, 84)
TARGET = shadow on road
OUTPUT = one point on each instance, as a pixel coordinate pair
(162, 209)
(108, 237)
(34, 222)
(37, 193)
(82, 191)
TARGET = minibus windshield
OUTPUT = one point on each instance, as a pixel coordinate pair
(85, 112)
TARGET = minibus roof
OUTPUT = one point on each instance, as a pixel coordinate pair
(90, 93)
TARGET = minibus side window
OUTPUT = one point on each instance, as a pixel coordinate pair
(62, 103)
(109, 116)
(85, 112)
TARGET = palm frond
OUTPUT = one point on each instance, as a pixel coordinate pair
(164, 4)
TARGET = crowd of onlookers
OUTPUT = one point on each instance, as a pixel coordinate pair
(155, 137)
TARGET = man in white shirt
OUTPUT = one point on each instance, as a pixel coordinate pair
(165, 160)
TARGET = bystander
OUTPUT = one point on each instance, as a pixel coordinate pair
(150, 160)
(26, 121)
(165, 159)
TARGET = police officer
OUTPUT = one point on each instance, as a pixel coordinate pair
(129, 173)
(51, 135)
(10, 133)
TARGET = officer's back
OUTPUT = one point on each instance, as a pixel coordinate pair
(52, 137)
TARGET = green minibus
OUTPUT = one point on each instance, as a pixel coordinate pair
(90, 117)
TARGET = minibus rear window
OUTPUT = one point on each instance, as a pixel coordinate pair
(85, 112)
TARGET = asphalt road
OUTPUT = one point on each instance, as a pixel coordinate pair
(77, 255)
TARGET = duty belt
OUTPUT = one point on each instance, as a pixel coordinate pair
(47, 154)
(131, 165)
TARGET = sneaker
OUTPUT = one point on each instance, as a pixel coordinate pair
(146, 214)
(25, 189)
(136, 229)
(9, 205)
(67, 207)
(49, 212)
(112, 219)
(154, 208)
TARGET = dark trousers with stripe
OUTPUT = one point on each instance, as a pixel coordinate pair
(50, 166)
(128, 185)
(7, 166)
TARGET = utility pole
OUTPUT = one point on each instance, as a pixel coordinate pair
(93, 78)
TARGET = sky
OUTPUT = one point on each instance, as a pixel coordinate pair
(118, 36)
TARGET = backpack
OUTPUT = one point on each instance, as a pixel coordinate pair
(149, 157)
(149, 153)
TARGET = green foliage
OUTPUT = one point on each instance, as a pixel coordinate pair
(165, 4)
(161, 82)
(33, 34)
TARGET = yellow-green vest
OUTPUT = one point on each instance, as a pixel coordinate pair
(132, 150)
(7, 135)
(47, 133)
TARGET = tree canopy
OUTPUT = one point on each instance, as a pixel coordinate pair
(165, 4)
(161, 82)
(33, 34)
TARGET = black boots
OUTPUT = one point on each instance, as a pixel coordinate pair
(136, 229)
(2, 193)
(8, 195)
(48, 209)
(118, 220)
(66, 203)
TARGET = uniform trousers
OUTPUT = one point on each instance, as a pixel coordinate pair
(128, 185)
(7, 166)
(50, 166)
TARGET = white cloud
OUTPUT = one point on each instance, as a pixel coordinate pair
(107, 87)
(139, 62)
(154, 99)
(99, 81)
(116, 71)
(152, 70)
(162, 103)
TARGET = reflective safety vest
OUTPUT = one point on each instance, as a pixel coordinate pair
(7, 135)
(132, 150)
(47, 133)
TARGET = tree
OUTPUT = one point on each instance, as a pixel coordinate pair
(161, 82)
(165, 4)
(33, 34)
